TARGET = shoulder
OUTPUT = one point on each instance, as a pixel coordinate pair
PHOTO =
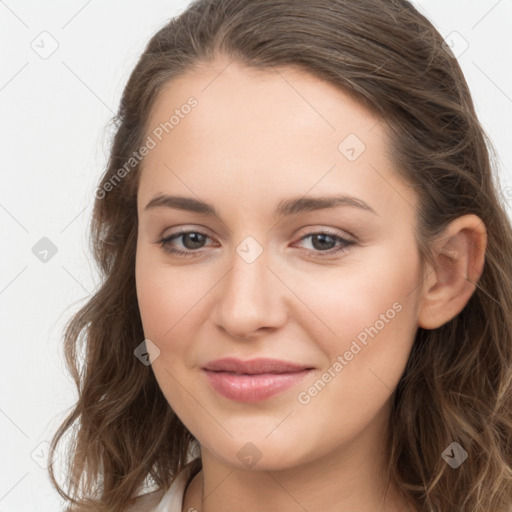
(146, 502)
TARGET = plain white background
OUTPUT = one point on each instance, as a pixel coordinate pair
(55, 112)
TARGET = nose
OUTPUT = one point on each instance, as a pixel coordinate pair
(251, 299)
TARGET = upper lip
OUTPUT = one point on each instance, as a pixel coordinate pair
(254, 366)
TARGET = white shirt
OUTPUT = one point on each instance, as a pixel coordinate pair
(172, 500)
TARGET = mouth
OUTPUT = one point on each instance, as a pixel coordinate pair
(254, 366)
(254, 380)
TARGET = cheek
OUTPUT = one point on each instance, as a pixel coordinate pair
(374, 316)
(166, 301)
(173, 304)
(166, 297)
(367, 314)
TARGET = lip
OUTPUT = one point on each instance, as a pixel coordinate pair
(254, 380)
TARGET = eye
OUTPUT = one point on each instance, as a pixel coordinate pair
(193, 241)
(323, 242)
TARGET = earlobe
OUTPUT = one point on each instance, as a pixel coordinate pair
(459, 256)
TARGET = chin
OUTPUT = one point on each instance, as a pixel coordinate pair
(264, 455)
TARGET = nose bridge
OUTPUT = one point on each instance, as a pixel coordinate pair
(250, 295)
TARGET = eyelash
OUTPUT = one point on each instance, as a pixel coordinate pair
(345, 244)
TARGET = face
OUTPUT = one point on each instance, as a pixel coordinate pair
(273, 272)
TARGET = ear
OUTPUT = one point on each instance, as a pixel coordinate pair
(459, 255)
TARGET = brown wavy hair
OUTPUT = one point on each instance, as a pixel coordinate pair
(457, 385)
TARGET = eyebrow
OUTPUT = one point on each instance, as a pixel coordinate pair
(286, 207)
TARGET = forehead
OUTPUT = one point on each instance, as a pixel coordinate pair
(264, 134)
(288, 102)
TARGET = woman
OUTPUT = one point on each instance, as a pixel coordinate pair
(262, 368)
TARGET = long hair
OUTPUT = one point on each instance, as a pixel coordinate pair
(457, 385)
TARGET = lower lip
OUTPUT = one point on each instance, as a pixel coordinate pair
(253, 388)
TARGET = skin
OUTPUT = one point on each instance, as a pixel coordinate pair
(255, 139)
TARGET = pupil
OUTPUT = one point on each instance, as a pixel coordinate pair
(322, 241)
(198, 240)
